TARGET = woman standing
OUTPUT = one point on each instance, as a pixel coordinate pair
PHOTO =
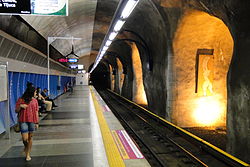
(27, 108)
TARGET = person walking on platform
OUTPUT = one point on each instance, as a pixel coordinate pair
(27, 109)
(46, 97)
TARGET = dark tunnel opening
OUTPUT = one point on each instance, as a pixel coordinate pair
(100, 77)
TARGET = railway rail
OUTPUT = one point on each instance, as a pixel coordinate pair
(162, 143)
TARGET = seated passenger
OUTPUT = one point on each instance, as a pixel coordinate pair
(44, 94)
(41, 104)
(42, 100)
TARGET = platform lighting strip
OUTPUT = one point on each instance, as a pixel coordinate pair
(119, 22)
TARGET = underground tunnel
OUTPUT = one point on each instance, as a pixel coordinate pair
(100, 78)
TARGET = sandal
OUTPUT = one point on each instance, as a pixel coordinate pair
(28, 158)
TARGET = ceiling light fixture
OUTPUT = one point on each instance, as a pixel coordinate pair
(105, 48)
(123, 11)
(118, 25)
(112, 35)
(108, 43)
(127, 10)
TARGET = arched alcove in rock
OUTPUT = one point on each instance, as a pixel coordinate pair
(202, 49)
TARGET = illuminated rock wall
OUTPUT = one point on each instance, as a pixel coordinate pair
(139, 95)
(120, 74)
(198, 30)
(112, 78)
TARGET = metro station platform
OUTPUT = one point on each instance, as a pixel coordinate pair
(81, 132)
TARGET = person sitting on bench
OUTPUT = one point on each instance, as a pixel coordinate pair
(44, 94)
(40, 98)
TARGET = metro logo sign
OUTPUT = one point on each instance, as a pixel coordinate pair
(70, 60)
(63, 60)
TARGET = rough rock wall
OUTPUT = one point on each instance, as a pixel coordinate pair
(199, 30)
(157, 30)
(122, 50)
(120, 74)
(235, 15)
(139, 95)
(238, 116)
(154, 34)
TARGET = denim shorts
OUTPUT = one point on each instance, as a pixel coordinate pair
(26, 127)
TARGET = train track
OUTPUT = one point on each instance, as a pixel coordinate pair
(162, 143)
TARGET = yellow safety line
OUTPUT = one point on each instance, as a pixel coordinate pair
(121, 148)
(190, 134)
(113, 155)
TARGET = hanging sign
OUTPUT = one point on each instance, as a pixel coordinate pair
(73, 66)
(63, 60)
(49, 7)
(15, 7)
(34, 7)
(70, 60)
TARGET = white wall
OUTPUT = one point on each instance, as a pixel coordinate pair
(82, 79)
(20, 66)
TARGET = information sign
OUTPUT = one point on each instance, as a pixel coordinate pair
(15, 6)
(73, 66)
(34, 7)
(49, 7)
(3, 83)
(70, 60)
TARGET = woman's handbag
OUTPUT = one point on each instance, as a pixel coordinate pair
(16, 127)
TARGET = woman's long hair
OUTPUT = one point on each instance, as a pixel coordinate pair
(28, 94)
(38, 91)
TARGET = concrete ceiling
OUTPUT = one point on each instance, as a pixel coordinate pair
(88, 19)
(79, 24)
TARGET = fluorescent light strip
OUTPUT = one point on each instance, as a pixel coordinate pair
(118, 25)
(112, 35)
(129, 8)
(108, 43)
(102, 52)
(105, 48)
(101, 55)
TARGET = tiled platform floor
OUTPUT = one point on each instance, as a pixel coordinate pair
(66, 137)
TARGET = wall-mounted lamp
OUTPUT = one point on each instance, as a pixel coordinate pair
(123, 11)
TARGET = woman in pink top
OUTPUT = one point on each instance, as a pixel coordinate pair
(27, 108)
